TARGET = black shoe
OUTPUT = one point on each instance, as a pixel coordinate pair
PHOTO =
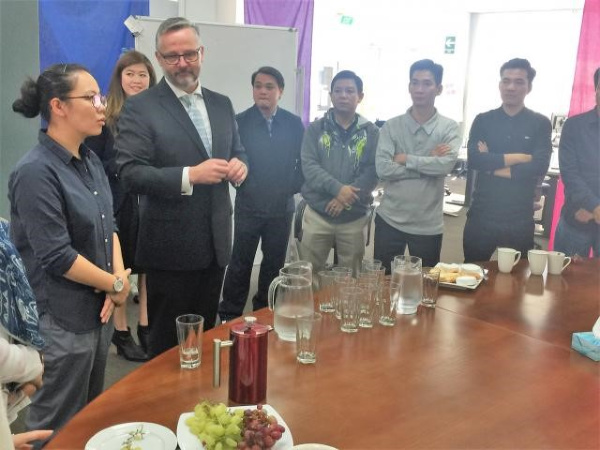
(143, 334)
(126, 346)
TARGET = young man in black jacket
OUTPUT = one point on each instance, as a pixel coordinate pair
(264, 204)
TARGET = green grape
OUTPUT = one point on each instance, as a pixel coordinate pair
(215, 427)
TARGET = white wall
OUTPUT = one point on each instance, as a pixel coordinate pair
(548, 39)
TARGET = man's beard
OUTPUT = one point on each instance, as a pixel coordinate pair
(184, 79)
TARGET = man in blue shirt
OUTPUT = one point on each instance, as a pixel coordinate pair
(510, 149)
(578, 229)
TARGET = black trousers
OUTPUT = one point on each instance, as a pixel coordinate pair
(274, 233)
(173, 293)
(390, 242)
(482, 235)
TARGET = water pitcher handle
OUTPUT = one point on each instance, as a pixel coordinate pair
(272, 288)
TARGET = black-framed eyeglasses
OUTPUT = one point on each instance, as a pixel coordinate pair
(98, 101)
(187, 56)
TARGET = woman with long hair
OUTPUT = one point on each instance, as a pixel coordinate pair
(133, 73)
(62, 226)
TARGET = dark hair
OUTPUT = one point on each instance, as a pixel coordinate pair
(427, 64)
(175, 24)
(116, 95)
(272, 71)
(56, 81)
(348, 75)
(597, 78)
(519, 63)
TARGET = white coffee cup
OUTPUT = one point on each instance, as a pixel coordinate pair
(537, 261)
(557, 262)
(507, 259)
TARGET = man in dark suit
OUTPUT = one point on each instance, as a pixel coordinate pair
(178, 147)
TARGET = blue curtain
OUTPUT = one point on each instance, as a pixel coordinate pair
(88, 32)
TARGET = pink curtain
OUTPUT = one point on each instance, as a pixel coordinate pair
(582, 97)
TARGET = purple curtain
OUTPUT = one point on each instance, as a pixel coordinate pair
(288, 13)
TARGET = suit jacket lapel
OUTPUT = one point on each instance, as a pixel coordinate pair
(174, 107)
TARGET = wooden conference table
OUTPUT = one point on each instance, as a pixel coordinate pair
(490, 368)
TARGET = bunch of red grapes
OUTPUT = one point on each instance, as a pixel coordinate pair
(260, 431)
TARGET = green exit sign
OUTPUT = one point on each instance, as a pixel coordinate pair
(346, 20)
(450, 45)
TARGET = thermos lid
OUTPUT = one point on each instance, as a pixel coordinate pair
(250, 327)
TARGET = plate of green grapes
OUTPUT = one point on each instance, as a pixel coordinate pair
(218, 427)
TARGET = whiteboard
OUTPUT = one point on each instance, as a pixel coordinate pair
(232, 53)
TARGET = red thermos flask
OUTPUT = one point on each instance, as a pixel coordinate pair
(247, 362)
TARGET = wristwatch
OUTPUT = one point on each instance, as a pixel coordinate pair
(118, 285)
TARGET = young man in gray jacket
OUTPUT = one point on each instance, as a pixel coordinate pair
(338, 163)
(416, 151)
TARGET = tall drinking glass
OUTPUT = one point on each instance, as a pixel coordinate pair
(407, 275)
(350, 298)
(325, 291)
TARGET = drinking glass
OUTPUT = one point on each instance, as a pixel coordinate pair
(407, 276)
(367, 303)
(350, 298)
(307, 336)
(340, 283)
(326, 288)
(431, 280)
(387, 303)
(189, 337)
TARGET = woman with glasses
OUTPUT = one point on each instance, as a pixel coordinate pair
(62, 225)
(132, 74)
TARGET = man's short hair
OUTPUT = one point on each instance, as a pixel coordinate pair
(272, 71)
(427, 64)
(174, 24)
(348, 75)
(597, 78)
(519, 63)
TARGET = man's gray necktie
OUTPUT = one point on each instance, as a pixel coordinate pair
(194, 113)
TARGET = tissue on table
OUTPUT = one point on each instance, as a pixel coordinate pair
(587, 344)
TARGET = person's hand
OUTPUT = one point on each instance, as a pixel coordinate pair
(211, 171)
(584, 216)
(107, 309)
(503, 173)
(21, 440)
(347, 195)
(118, 298)
(237, 171)
(597, 214)
(440, 150)
(510, 159)
(334, 207)
(31, 386)
(482, 147)
(400, 158)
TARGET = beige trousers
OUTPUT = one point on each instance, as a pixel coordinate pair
(319, 236)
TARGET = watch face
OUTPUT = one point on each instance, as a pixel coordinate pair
(118, 285)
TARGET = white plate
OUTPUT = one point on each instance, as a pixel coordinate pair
(314, 447)
(188, 441)
(466, 267)
(156, 437)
